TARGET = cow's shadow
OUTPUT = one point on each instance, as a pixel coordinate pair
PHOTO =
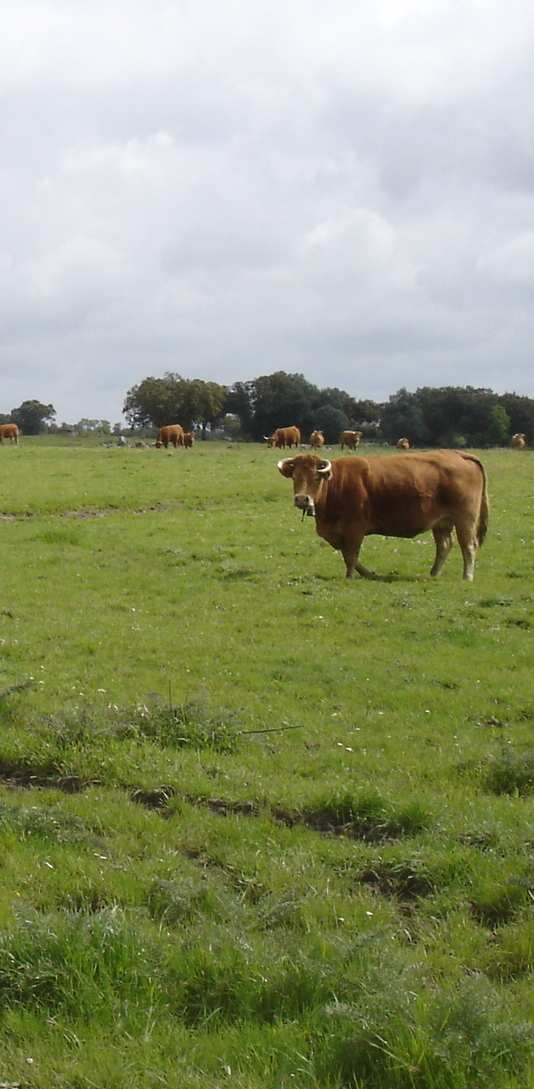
(393, 576)
(390, 577)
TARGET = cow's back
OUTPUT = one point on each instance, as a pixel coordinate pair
(401, 497)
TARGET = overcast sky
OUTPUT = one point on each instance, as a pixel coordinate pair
(230, 187)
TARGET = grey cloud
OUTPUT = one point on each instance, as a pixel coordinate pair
(225, 190)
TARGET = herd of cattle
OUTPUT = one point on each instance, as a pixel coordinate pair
(290, 436)
(394, 495)
(281, 438)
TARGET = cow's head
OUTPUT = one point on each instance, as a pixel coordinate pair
(309, 474)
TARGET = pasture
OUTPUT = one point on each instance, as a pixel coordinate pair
(259, 826)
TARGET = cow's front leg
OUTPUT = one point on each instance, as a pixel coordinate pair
(351, 552)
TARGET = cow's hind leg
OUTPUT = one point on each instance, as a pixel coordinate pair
(351, 552)
(467, 539)
(443, 538)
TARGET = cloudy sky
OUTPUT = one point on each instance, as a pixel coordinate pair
(229, 187)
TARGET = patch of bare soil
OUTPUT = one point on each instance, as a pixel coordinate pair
(89, 512)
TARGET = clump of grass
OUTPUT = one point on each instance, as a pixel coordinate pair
(77, 964)
(512, 954)
(62, 535)
(497, 902)
(188, 725)
(50, 824)
(176, 901)
(240, 980)
(511, 772)
(405, 879)
(367, 816)
(395, 1040)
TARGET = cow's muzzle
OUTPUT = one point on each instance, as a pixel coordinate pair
(305, 504)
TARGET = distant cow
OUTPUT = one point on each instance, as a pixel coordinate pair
(9, 431)
(519, 441)
(283, 436)
(189, 439)
(403, 444)
(172, 433)
(351, 439)
(316, 439)
(395, 496)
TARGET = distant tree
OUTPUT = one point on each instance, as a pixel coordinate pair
(337, 398)
(232, 426)
(97, 427)
(520, 412)
(173, 399)
(331, 421)
(32, 416)
(447, 416)
(152, 401)
(365, 410)
(498, 431)
(5, 419)
(240, 401)
(281, 400)
(402, 415)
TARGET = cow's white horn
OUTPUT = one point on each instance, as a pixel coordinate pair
(325, 469)
(282, 463)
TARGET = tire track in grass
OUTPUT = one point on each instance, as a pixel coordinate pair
(84, 513)
(325, 820)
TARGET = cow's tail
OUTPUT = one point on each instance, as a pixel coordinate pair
(483, 513)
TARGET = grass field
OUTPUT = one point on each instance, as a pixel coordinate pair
(259, 826)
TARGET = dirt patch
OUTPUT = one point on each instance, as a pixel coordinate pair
(83, 513)
(22, 777)
(399, 882)
(158, 798)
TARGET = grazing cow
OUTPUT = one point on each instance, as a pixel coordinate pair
(172, 433)
(189, 439)
(403, 444)
(10, 431)
(316, 439)
(283, 436)
(396, 497)
(519, 441)
(351, 439)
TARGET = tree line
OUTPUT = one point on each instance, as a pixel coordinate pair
(443, 416)
(259, 406)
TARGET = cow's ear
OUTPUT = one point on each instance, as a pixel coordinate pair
(324, 469)
(286, 466)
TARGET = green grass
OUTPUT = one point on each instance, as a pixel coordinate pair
(258, 826)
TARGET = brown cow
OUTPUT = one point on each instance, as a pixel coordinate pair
(519, 441)
(171, 433)
(189, 439)
(316, 439)
(396, 497)
(10, 431)
(350, 438)
(403, 444)
(283, 436)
